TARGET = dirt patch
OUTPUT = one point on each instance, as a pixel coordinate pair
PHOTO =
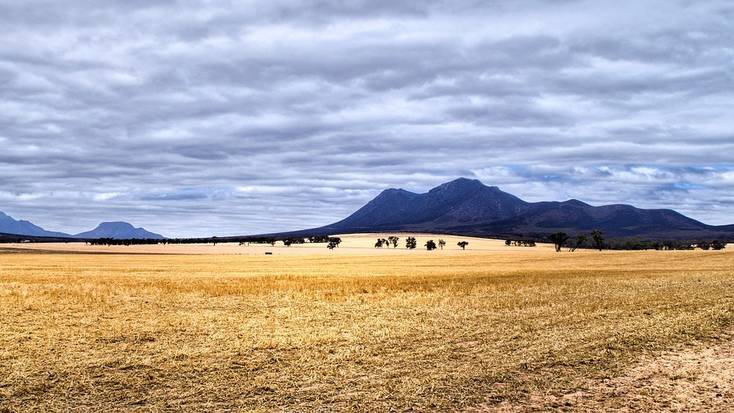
(695, 379)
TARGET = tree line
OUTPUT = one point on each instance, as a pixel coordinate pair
(596, 240)
(560, 239)
(287, 241)
(411, 243)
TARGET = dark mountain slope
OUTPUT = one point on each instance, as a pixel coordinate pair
(118, 230)
(458, 202)
(614, 220)
(469, 207)
(8, 225)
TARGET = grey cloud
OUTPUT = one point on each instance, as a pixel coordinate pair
(263, 116)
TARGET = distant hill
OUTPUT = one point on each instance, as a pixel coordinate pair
(8, 225)
(468, 207)
(119, 230)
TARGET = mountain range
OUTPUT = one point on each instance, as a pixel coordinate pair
(118, 230)
(462, 207)
(468, 207)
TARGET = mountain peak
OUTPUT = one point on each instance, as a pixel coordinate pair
(461, 200)
(119, 230)
(116, 224)
(461, 183)
(467, 206)
(576, 202)
(394, 191)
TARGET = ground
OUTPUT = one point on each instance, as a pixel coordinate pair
(492, 328)
(697, 378)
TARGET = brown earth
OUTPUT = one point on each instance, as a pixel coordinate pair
(699, 378)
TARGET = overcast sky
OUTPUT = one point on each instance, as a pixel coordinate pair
(195, 118)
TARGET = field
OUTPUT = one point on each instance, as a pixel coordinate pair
(227, 328)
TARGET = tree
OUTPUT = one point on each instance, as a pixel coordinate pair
(462, 244)
(508, 242)
(441, 243)
(381, 242)
(393, 240)
(718, 245)
(430, 245)
(410, 243)
(558, 239)
(335, 241)
(704, 245)
(287, 242)
(598, 238)
(580, 240)
(331, 245)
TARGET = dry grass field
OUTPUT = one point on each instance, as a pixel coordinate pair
(359, 329)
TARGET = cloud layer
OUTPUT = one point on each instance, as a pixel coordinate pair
(215, 117)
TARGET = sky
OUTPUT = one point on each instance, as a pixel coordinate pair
(199, 118)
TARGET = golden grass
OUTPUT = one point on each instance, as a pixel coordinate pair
(374, 330)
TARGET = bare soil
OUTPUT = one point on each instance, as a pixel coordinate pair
(699, 378)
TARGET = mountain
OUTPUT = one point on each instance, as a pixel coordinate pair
(8, 225)
(119, 230)
(459, 202)
(468, 207)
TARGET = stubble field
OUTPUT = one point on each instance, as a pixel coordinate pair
(357, 329)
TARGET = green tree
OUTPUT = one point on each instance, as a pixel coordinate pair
(334, 242)
(381, 242)
(410, 243)
(580, 241)
(462, 244)
(598, 238)
(441, 243)
(393, 240)
(559, 240)
(430, 245)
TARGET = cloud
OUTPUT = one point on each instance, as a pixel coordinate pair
(265, 116)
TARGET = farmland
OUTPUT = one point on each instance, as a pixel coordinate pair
(226, 328)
